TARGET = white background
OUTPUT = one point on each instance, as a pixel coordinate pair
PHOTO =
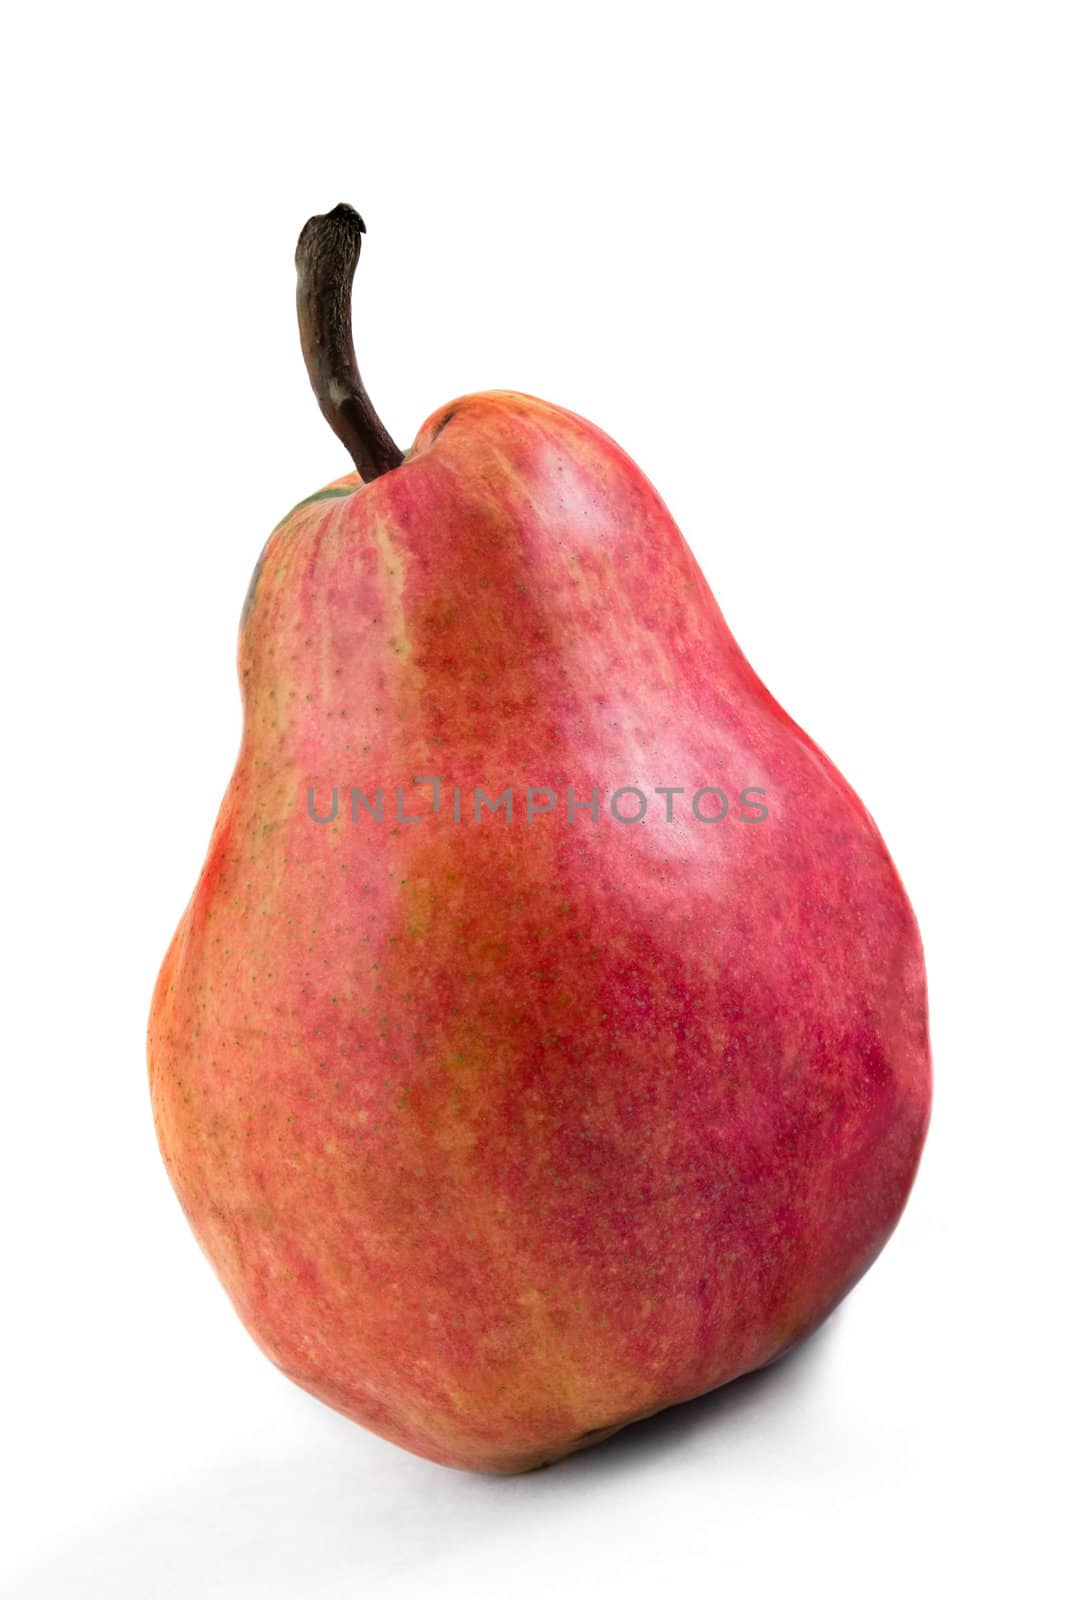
(807, 263)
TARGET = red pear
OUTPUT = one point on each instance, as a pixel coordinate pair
(545, 1040)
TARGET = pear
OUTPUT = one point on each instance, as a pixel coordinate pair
(545, 1042)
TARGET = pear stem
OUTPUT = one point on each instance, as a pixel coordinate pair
(326, 256)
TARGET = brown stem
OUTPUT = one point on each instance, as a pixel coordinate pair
(326, 256)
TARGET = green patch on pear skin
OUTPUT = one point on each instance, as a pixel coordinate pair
(334, 493)
(320, 494)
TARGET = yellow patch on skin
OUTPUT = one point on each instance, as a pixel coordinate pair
(406, 685)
